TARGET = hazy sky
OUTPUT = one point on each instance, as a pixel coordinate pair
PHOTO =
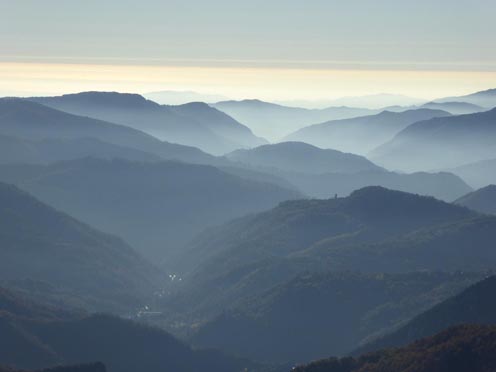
(272, 49)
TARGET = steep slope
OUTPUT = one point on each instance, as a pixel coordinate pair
(315, 315)
(196, 125)
(35, 339)
(301, 157)
(475, 305)
(33, 121)
(441, 143)
(40, 243)
(482, 200)
(274, 121)
(486, 98)
(155, 206)
(235, 134)
(460, 349)
(363, 134)
(16, 151)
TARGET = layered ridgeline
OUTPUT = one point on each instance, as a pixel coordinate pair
(478, 174)
(475, 305)
(35, 122)
(459, 349)
(373, 230)
(440, 143)
(486, 98)
(455, 108)
(303, 158)
(194, 124)
(274, 121)
(154, 206)
(482, 200)
(36, 337)
(94, 269)
(316, 315)
(363, 134)
(323, 173)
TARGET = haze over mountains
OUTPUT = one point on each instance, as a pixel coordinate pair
(444, 142)
(363, 134)
(154, 206)
(194, 124)
(274, 121)
(324, 173)
(29, 120)
(486, 98)
(45, 245)
(213, 250)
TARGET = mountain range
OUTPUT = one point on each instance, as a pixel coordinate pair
(363, 134)
(193, 124)
(485, 98)
(32, 121)
(440, 143)
(302, 157)
(274, 121)
(154, 206)
(235, 261)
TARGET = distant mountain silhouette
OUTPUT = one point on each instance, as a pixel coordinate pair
(195, 124)
(376, 101)
(40, 243)
(440, 143)
(455, 108)
(274, 121)
(302, 157)
(482, 200)
(478, 174)
(475, 305)
(176, 97)
(316, 315)
(33, 121)
(15, 150)
(486, 98)
(362, 134)
(155, 206)
(460, 349)
(36, 342)
(323, 173)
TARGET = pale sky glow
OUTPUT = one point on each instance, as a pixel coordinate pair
(238, 82)
(274, 50)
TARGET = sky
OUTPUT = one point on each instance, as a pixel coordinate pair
(272, 49)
